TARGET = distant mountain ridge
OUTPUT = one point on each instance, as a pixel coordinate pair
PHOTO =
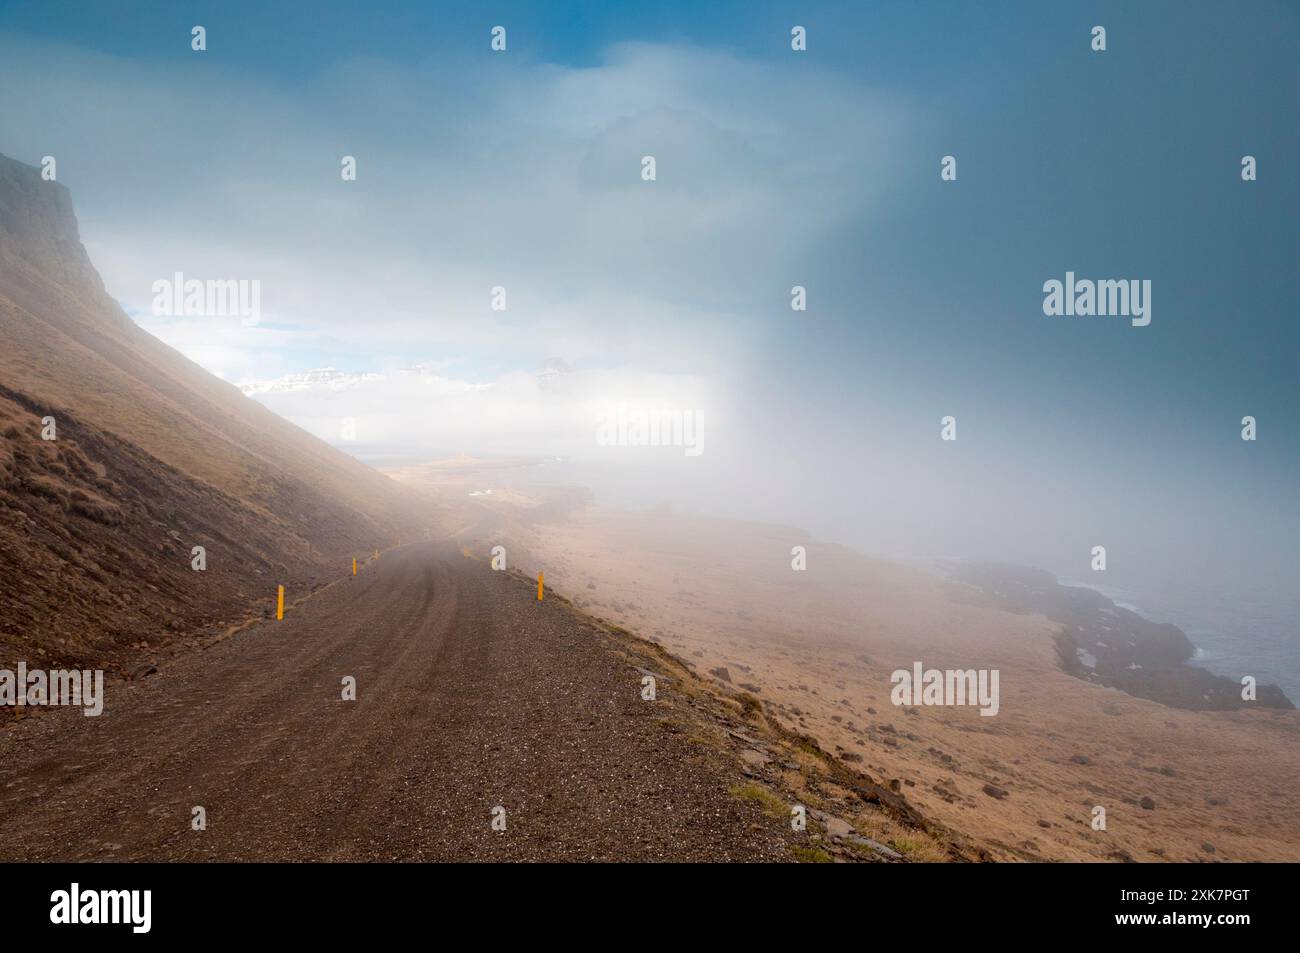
(329, 378)
(307, 380)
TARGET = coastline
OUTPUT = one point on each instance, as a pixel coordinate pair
(1107, 643)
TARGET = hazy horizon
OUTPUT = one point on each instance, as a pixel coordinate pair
(775, 169)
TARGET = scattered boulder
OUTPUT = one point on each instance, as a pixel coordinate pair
(887, 852)
(836, 827)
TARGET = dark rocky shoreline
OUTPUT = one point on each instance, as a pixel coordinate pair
(1113, 646)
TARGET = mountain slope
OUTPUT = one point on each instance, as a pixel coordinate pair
(152, 457)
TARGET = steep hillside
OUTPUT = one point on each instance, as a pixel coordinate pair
(152, 457)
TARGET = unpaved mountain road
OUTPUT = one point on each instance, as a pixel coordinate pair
(470, 694)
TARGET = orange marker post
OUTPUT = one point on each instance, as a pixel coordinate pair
(279, 603)
(354, 565)
(539, 586)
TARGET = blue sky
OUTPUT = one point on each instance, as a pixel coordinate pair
(775, 169)
(890, 40)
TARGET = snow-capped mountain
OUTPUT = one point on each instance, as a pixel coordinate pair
(323, 377)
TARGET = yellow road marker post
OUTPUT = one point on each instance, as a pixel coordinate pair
(539, 586)
(279, 603)
(354, 565)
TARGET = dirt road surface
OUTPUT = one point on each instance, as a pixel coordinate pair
(470, 694)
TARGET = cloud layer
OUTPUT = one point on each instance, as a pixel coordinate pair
(471, 175)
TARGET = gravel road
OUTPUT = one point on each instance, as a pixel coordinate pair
(470, 694)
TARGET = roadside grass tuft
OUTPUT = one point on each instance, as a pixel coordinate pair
(764, 798)
(811, 855)
(917, 847)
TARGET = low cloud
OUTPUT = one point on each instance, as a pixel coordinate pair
(471, 175)
(415, 413)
